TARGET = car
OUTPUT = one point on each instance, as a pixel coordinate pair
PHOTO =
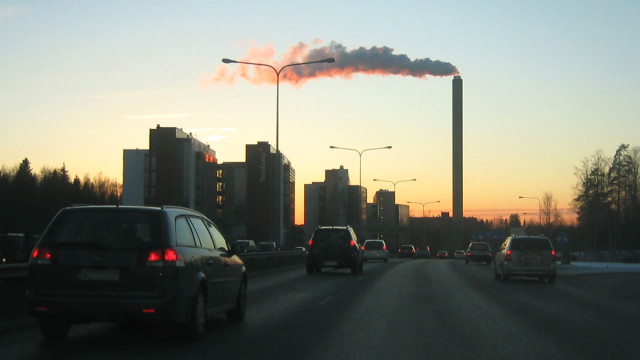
(336, 247)
(266, 246)
(167, 265)
(407, 251)
(478, 251)
(442, 254)
(459, 254)
(375, 250)
(423, 252)
(243, 246)
(522, 255)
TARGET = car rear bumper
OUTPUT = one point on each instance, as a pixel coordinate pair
(511, 270)
(76, 309)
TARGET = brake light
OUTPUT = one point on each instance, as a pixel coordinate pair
(310, 243)
(164, 257)
(553, 255)
(41, 256)
(507, 256)
(352, 243)
(384, 247)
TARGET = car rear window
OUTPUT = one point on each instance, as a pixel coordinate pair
(479, 246)
(324, 235)
(530, 244)
(104, 229)
(373, 245)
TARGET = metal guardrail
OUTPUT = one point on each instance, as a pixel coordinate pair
(254, 261)
(9, 271)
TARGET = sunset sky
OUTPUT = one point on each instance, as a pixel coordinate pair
(546, 84)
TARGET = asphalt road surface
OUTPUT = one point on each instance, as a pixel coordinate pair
(404, 309)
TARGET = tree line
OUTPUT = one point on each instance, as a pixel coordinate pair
(28, 201)
(607, 200)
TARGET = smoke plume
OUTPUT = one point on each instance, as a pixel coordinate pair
(372, 61)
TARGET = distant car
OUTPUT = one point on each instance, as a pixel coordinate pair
(442, 254)
(336, 247)
(522, 255)
(110, 263)
(423, 252)
(407, 251)
(266, 246)
(459, 254)
(375, 250)
(478, 251)
(242, 246)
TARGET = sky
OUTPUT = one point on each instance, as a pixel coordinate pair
(546, 85)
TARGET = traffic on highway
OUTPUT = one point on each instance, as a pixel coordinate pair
(402, 309)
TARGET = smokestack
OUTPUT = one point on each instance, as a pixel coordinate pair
(457, 148)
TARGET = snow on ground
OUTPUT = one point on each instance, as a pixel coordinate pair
(588, 267)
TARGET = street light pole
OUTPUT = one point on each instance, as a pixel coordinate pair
(423, 204)
(539, 206)
(360, 152)
(278, 190)
(394, 182)
(278, 71)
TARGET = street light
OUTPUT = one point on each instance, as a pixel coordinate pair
(423, 204)
(539, 206)
(394, 182)
(360, 152)
(229, 61)
(278, 190)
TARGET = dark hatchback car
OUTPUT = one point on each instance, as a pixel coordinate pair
(108, 263)
(336, 247)
(407, 251)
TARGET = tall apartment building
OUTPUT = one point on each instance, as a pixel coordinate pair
(270, 194)
(177, 169)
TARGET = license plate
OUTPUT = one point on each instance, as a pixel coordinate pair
(99, 274)
(331, 263)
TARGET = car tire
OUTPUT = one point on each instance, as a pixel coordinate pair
(466, 262)
(361, 268)
(496, 276)
(238, 313)
(54, 330)
(197, 320)
(355, 268)
(310, 269)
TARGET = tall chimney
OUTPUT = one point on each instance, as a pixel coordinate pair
(457, 148)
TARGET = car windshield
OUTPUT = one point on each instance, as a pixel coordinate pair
(532, 244)
(104, 229)
(479, 246)
(322, 236)
(373, 245)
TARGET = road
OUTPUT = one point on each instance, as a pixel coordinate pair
(404, 309)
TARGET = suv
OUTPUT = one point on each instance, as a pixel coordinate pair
(112, 263)
(336, 247)
(526, 256)
(375, 250)
(478, 251)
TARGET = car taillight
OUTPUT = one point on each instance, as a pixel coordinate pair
(384, 247)
(42, 256)
(164, 257)
(310, 243)
(553, 255)
(352, 243)
(507, 256)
